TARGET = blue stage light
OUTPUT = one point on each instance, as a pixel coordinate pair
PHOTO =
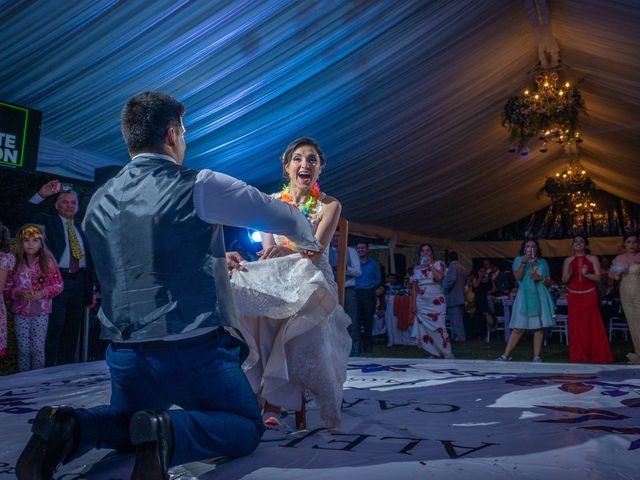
(255, 236)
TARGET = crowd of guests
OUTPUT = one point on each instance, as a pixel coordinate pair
(449, 305)
(47, 278)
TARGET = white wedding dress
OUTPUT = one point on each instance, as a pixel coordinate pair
(296, 330)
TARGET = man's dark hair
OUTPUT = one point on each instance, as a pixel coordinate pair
(145, 118)
(452, 256)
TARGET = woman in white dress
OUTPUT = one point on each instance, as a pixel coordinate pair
(430, 307)
(288, 304)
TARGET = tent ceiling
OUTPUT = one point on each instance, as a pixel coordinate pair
(404, 96)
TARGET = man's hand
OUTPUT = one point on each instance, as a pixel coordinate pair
(50, 188)
(233, 262)
(275, 251)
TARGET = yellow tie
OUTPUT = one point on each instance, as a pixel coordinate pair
(74, 244)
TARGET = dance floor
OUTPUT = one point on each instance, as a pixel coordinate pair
(417, 419)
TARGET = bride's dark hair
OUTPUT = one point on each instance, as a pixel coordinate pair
(293, 146)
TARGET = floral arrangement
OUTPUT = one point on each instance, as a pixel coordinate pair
(548, 112)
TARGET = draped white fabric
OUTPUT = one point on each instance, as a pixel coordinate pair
(404, 96)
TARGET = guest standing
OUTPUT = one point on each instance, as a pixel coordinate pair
(366, 285)
(581, 272)
(32, 284)
(533, 306)
(483, 318)
(7, 263)
(352, 272)
(67, 242)
(626, 268)
(430, 306)
(453, 284)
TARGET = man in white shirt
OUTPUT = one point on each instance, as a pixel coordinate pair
(350, 299)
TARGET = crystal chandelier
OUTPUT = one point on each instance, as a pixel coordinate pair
(548, 112)
(582, 203)
(571, 188)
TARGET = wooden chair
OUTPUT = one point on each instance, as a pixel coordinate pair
(341, 269)
(341, 274)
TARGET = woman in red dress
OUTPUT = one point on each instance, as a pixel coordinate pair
(587, 337)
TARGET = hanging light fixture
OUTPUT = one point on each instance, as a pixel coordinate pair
(550, 112)
(582, 202)
(571, 188)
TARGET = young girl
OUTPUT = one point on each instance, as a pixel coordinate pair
(32, 284)
(7, 262)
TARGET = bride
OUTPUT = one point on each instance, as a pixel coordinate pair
(288, 304)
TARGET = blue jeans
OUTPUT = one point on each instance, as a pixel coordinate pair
(219, 414)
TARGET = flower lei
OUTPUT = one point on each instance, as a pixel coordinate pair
(306, 208)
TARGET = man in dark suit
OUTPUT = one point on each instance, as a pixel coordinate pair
(69, 246)
(453, 284)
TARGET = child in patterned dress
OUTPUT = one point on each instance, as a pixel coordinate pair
(32, 284)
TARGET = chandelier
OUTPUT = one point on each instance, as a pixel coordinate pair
(548, 112)
(582, 203)
(571, 189)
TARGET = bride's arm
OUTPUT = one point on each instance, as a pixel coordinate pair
(267, 240)
(329, 221)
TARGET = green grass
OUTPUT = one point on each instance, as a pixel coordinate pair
(471, 350)
(480, 350)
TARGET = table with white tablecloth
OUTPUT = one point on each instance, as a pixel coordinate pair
(398, 327)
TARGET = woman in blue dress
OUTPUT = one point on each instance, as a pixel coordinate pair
(533, 306)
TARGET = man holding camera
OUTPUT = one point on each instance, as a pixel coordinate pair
(68, 244)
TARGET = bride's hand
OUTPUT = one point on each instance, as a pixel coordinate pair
(274, 251)
(311, 255)
(233, 262)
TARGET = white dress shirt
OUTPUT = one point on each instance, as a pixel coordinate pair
(353, 265)
(66, 254)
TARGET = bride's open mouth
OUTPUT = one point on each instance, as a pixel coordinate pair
(304, 178)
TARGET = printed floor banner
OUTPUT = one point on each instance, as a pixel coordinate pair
(418, 419)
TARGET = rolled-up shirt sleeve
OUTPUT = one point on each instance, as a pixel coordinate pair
(219, 198)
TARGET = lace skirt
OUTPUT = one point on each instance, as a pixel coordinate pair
(296, 332)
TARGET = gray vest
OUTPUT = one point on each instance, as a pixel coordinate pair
(162, 271)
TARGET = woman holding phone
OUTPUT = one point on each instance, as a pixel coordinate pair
(533, 306)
